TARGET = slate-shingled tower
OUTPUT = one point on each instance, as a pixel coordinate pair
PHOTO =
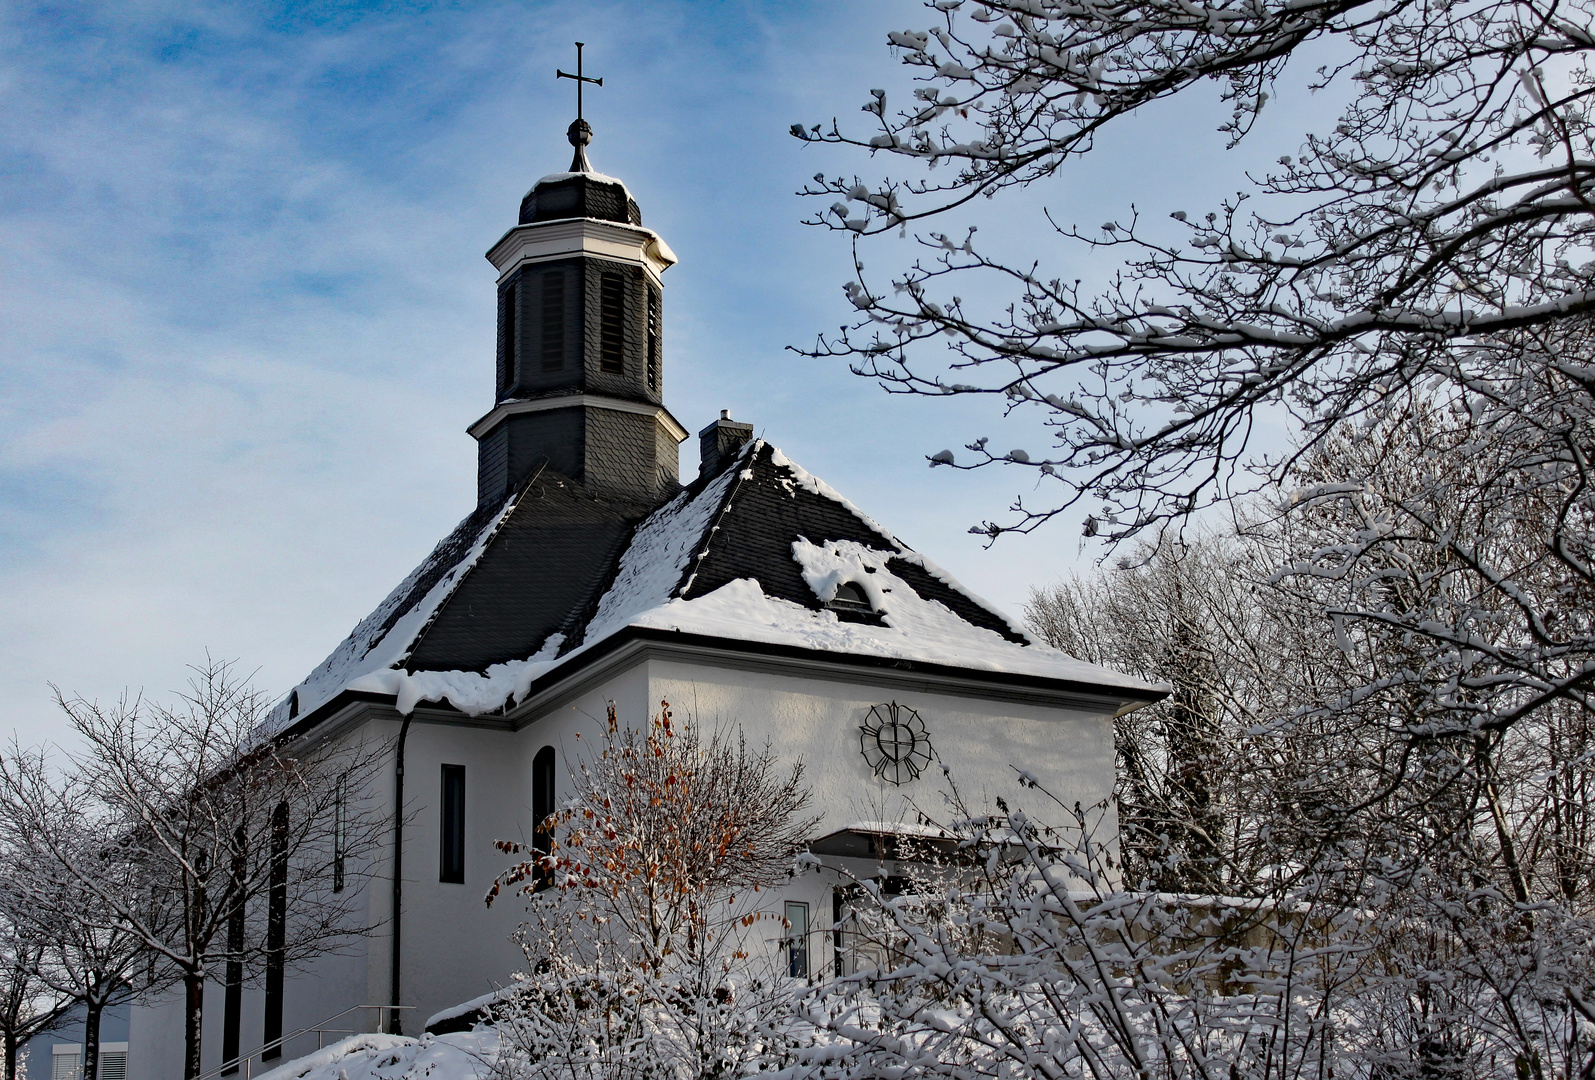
(580, 369)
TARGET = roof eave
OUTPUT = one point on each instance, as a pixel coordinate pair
(634, 644)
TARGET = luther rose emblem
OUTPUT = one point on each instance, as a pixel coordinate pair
(894, 742)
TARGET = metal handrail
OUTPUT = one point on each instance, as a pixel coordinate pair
(232, 1065)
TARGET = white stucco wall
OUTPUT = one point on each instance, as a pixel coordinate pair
(455, 948)
(817, 721)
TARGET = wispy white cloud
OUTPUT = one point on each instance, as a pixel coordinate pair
(244, 315)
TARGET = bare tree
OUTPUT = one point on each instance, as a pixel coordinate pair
(93, 955)
(658, 870)
(217, 817)
(1348, 754)
(29, 1004)
(1432, 251)
(1019, 955)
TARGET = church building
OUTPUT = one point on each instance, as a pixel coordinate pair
(745, 591)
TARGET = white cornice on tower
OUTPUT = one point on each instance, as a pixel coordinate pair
(506, 409)
(545, 241)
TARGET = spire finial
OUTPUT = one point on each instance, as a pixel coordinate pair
(580, 132)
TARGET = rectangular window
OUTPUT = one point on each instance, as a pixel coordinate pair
(797, 940)
(611, 322)
(836, 931)
(66, 1062)
(233, 1002)
(340, 832)
(276, 932)
(653, 340)
(451, 846)
(113, 1061)
(506, 339)
(553, 343)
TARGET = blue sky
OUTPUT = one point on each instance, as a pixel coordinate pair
(245, 316)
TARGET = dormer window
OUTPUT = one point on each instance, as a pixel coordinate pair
(849, 597)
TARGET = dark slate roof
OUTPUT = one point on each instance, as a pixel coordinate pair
(547, 563)
(746, 554)
(766, 512)
(579, 195)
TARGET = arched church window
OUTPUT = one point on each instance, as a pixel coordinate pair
(611, 322)
(542, 799)
(553, 330)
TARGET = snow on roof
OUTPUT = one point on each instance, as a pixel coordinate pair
(893, 828)
(554, 178)
(661, 554)
(651, 589)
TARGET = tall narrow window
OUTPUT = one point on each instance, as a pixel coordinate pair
(340, 832)
(506, 338)
(233, 1000)
(553, 343)
(451, 846)
(611, 322)
(542, 803)
(836, 931)
(797, 941)
(653, 340)
(276, 931)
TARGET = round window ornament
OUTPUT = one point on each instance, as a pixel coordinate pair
(894, 742)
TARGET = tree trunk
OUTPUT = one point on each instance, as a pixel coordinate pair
(11, 1056)
(91, 1037)
(194, 1012)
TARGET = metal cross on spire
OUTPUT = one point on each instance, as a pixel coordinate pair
(580, 132)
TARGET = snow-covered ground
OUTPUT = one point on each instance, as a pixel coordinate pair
(461, 1056)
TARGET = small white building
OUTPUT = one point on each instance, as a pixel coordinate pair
(755, 597)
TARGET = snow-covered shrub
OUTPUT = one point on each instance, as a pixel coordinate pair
(1023, 957)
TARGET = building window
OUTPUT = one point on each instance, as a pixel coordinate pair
(451, 846)
(340, 832)
(797, 939)
(276, 932)
(836, 931)
(506, 338)
(113, 1061)
(611, 322)
(653, 340)
(66, 1061)
(849, 597)
(553, 343)
(542, 805)
(233, 1002)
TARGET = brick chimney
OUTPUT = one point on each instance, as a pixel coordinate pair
(719, 442)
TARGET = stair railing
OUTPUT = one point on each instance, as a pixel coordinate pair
(245, 1064)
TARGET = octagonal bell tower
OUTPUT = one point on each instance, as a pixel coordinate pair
(579, 378)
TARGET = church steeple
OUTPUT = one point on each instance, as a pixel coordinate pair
(579, 377)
